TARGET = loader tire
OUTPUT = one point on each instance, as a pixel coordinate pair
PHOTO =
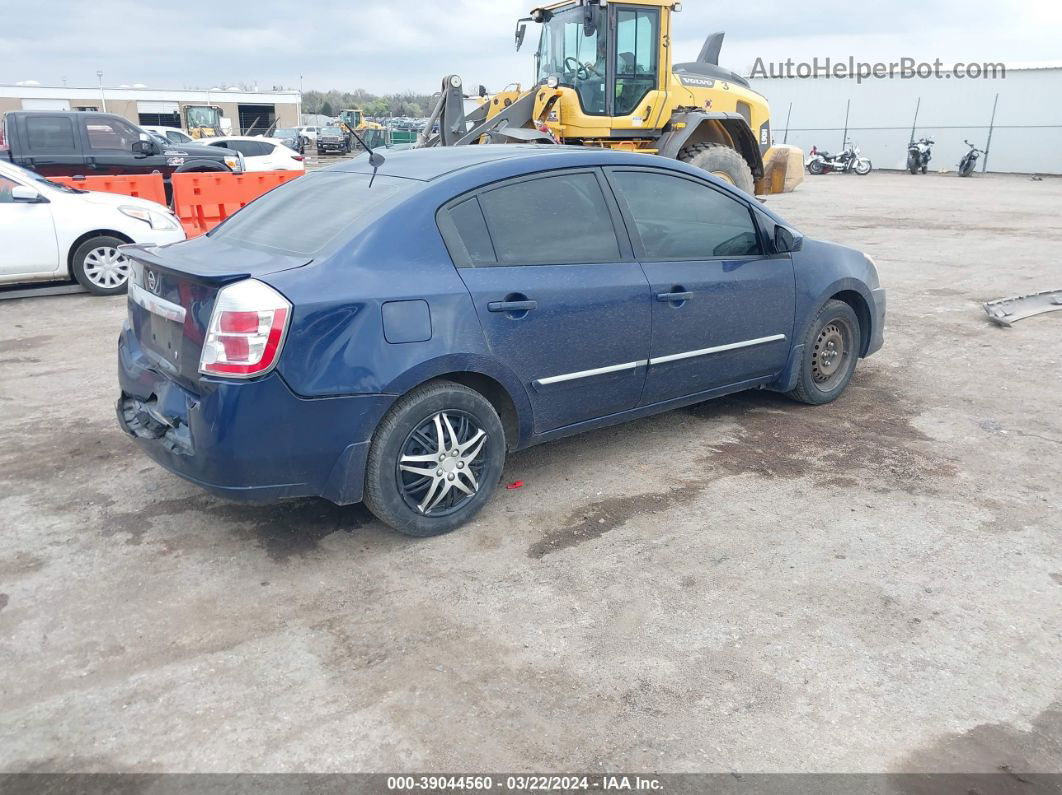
(723, 162)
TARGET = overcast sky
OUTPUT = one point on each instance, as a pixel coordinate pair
(387, 46)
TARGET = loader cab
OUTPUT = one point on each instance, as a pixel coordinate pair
(609, 55)
(352, 117)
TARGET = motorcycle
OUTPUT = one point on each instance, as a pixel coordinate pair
(849, 160)
(969, 160)
(919, 154)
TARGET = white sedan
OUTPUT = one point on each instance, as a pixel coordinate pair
(259, 153)
(51, 232)
(171, 134)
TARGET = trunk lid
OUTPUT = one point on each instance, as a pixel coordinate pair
(172, 291)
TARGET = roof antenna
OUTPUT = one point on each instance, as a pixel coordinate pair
(375, 158)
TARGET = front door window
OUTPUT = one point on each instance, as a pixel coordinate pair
(576, 59)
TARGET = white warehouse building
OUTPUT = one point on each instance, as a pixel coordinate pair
(1025, 135)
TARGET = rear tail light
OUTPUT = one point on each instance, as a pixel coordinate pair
(300, 158)
(246, 330)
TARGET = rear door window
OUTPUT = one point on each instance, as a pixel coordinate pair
(553, 220)
(472, 233)
(50, 134)
(245, 148)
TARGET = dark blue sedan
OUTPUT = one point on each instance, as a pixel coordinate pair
(388, 336)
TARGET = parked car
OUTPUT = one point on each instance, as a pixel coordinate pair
(309, 133)
(290, 137)
(66, 144)
(260, 153)
(171, 134)
(333, 139)
(467, 302)
(51, 232)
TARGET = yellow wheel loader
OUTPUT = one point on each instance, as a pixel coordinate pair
(203, 121)
(605, 78)
(352, 120)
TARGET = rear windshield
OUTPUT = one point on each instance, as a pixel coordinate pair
(303, 216)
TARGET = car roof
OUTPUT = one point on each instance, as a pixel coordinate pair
(432, 162)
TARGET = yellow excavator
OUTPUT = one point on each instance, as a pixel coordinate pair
(605, 77)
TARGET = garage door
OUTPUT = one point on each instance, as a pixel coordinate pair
(45, 104)
(256, 119)
(159, 114)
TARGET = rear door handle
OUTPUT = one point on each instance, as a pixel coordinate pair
(512, 306)
(668, 297)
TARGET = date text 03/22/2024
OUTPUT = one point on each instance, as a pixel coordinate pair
(524, 783)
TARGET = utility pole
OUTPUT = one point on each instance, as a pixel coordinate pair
(991, 126)
(103, 97)
(298, 123)
(847, 108)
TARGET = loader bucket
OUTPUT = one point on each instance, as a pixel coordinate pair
(783, 170)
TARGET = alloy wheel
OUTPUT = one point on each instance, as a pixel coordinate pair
(440, 467)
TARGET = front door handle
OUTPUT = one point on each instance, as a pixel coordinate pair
(512, 306)
(673, 297)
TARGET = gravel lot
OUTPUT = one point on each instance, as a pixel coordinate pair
(745, 585)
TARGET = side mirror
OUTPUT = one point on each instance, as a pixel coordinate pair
(26, 195)
(482, 90)
(521, 31)
(145, 148)
(785, 240)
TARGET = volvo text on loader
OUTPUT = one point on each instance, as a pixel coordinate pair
(605, 77)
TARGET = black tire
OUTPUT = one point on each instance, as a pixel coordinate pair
(823, 376)
(925, 168)
(870, 167)
(388, 492)
(815, 167)
(912, 164)
(721, 160)
(92, 270)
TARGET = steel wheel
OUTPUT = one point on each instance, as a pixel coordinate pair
(831, 353)
(106, 267)
(440, 468)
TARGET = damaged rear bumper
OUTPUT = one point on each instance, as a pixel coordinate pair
(250, 440)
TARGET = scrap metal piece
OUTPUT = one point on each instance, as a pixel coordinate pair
(1006, 311)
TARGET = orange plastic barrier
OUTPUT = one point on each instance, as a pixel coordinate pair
(202, 200)
(143, 186)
